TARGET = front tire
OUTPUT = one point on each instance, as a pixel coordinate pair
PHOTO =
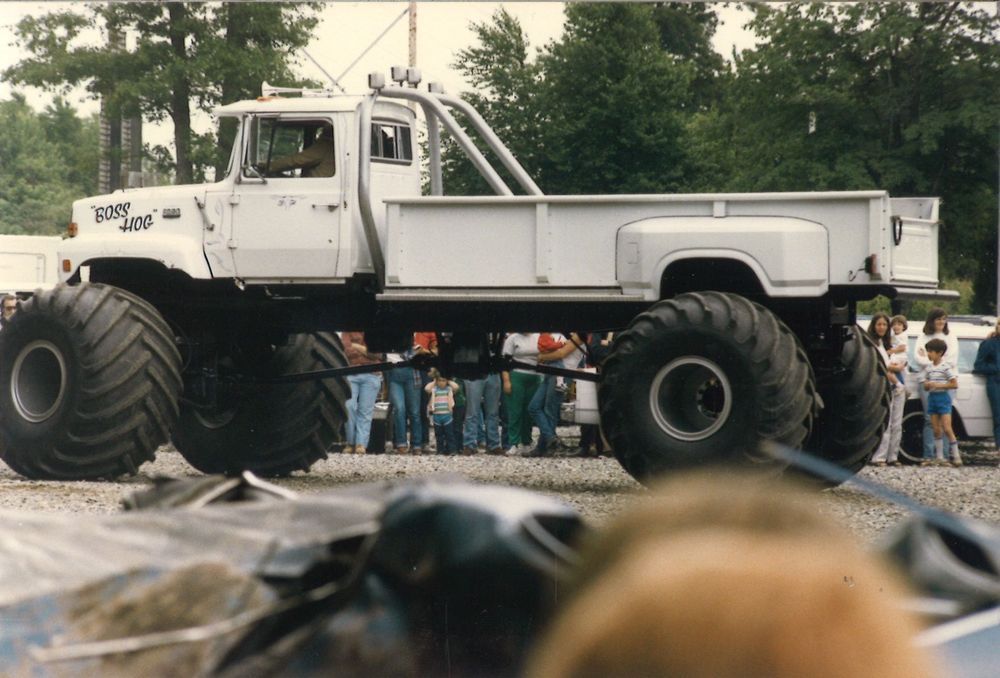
(89, 381)
(704, 378)
(270, 429)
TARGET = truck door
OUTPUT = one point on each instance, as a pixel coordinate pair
(287, 205)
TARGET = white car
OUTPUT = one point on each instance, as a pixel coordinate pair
(971, 415)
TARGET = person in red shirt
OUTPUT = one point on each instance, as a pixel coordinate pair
(424, 342)
(553, 349)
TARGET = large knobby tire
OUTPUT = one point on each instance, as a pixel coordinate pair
(911, 445)
(270, 429)
(702, 379)
(89, 381)
(855, 410)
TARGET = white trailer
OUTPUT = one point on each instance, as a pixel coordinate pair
(28, 263)
(207, 303)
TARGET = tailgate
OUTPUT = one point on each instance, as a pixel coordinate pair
(914, 225)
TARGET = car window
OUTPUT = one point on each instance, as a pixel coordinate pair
(391, 142)
(967, 350)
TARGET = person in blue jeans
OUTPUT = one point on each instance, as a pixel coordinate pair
(404, 386)
(360, 408)
(364, 391)
(988, 364)
(482, 399)
(553, 350)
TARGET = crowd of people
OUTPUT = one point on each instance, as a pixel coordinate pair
(496, 414)
(500, 413)
(936, 375)
(936, 355)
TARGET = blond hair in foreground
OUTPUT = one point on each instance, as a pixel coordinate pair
(726, 576)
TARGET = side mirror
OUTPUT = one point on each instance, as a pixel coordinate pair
(253, 172)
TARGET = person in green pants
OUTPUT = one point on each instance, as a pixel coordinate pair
(518, 388)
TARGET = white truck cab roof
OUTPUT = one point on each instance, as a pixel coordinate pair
(333, 104)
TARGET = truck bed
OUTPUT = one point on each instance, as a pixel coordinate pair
(607, 246)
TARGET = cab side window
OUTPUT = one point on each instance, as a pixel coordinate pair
(391, 142)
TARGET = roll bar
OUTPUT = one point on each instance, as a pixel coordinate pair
(435, 106)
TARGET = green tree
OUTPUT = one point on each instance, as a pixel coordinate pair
(896, 96)
(613, 102)
(186, 54)
(504, 89)
(603, 108)
(686, 30)
(76, 141)
(39, 178)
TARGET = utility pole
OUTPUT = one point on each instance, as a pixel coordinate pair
(413, 33)
(110, 163)
(120, 141)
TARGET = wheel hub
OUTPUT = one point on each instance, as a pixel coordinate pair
(38, 383)
(690, 398)
(215, 419)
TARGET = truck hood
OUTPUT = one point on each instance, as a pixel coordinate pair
(141, 210)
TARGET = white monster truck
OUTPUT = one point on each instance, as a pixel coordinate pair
(208, 314)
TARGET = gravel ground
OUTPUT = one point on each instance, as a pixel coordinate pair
(598, 488)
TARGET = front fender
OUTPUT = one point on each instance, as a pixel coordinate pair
(172, 251)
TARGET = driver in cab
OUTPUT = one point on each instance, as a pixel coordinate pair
(315, 160)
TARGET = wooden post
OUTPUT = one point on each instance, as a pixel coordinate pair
(413, 34)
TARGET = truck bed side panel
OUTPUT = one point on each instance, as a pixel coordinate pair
(571, 241)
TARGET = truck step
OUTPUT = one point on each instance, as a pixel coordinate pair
(499, 295)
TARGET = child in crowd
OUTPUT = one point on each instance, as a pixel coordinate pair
(938, 378)
(441, 408)
(897, 354)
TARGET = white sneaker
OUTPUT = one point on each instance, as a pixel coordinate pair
(513, 450)
(956, 458)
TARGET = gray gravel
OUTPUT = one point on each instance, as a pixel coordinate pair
(598, 488)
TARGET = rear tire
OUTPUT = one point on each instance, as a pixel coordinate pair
(855, 406)
(911, 445)
(701, 379)
(89, 380)
(270, 429)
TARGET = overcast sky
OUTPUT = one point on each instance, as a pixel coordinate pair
(347, 28)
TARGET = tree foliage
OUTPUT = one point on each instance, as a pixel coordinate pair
(504, 87)
(613, 102)
(904, 97)
(186, 54)
(49, 160)
(602, 109)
